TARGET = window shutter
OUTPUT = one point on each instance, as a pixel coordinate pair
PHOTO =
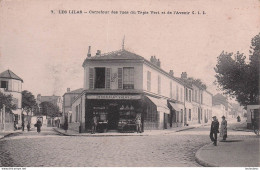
(120, 78)
(91, 78)
(108, 72)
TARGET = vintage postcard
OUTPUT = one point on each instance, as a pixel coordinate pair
(110, 83)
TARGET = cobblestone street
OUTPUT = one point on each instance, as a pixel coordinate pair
(49, 149)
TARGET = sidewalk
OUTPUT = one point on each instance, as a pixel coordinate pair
(145, 133)
(232, 153)
(235, 152)
(7, 133)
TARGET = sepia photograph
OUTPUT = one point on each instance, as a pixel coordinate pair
(112, 83)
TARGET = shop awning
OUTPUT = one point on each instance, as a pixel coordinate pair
(161, 104)
(176, 106)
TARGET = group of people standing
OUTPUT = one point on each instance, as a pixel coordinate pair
(214, 130)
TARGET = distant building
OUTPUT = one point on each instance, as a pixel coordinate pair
(56, 100)
(10, 83)
(198, 103)
(68, 99)
(220, 99)
(219, 110)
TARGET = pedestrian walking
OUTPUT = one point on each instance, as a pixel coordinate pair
(22, 126)
(94, 125)
(38, 125)
(58, 123)
(28, 126)
(138, 123)
(214, 130)
(66, 124)
(223, 128)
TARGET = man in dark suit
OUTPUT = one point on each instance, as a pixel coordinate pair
(214, 130)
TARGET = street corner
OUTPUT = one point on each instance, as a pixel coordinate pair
(203, 153)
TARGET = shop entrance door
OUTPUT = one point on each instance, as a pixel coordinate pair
(113, 117)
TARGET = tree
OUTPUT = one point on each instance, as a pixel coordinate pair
(49, 109)
(198, 83)
(7, 100)
(239, 78)
(28, 101)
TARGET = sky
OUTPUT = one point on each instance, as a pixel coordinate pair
(47, 49)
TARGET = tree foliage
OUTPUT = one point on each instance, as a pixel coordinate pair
(49, 109)
(7, 100)
(239, 78)
(198, 83)
(28, 101)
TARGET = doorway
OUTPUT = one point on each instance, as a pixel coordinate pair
(113, 116)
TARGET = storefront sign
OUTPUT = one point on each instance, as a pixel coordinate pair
(114, 97)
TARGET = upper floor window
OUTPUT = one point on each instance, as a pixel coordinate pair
(159, 85)
(4, 84)
(177, 93)
(186, 94)
(190, 95)
(181, 93)
(196, 96)
(100, 77)
(128, 78)
(148, 80)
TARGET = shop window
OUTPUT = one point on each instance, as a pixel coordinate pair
(128, 78)
(99, 77)
(189, 114)
(77, 112)
(148, 81)
(196, 96)
(4, 84)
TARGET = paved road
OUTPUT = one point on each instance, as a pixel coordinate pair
(49, 149)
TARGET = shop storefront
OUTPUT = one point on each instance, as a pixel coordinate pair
(117, 112)
(113, 112)
(176, 114)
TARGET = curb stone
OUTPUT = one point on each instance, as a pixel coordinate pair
(91, 135)
(200, 161)
(8, 134)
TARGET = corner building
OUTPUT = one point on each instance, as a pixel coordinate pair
(119, 85)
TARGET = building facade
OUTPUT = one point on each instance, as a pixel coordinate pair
(11, 84)
(68, 99)
(119, 85)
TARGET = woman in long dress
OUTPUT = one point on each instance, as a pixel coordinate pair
(223, 128)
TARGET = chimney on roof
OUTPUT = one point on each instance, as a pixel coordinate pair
(68, 89)
(158, 63)
(89, 51)
(171, 73)
(184, 75)
(98, 52)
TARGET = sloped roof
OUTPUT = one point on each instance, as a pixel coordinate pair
(10, 75)
(117, 55)
(124, 55)
(185, 82)
(80, 90)
(49, 98)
